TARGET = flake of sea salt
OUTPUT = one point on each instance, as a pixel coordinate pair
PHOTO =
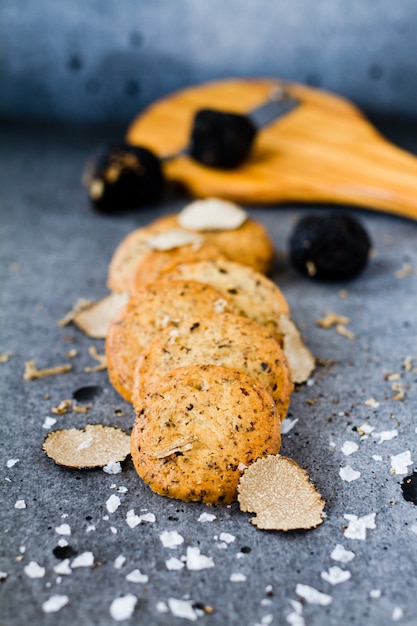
(197, 561)
(357, 526)
(112, 467)
(237, 577)
(377, 457)
(11, 462)
(63, 529)
(113, 503)
(106, 518)
(227, 537)
(119, 561)
(113, 530)
(136, 576)
(342, 555)
(122, 607)
(397, 613)
(349, 447)
(62, 542)
(20, 504)
(171, 539)
(348, 474)
(63, 568)
(3, 576)
(33, 570)
(132, 520)
(296, 617)
(267, 619)
(206, 517)
(174, 564)
(287, 425)
(54, 604)
(162, 607)
(182, 608)
(49, 421)
(400, 462)
(148, 517)
(336, 575)
(122, 489)
(375, 593)
(86, 559)
(385, 435)
(90, 528)
(312, 595)
(365, 430)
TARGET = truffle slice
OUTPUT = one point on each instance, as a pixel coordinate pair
(123, 177)
(221, 140)
(84, 448)
(281, 494)
(94, 319)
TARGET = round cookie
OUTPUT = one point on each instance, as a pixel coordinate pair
(228, 340)
(196, 430)
(154, 307)
(253, 294)
(155, 262)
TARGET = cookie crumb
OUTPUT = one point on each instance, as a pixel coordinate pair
(31, 372)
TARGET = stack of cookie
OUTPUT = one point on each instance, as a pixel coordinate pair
(199, 349)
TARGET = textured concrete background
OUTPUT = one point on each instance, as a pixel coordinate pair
(105, 59)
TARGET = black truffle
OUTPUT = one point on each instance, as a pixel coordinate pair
(221, 140)
(123, 177)
(329, 247)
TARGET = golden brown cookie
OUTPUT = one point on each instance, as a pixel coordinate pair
(254, 295)
(155, 262)
(228, 340)
(196, 430)
(154, 307)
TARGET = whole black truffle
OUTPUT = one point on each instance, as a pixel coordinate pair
(123, 177)
(329, 247)
(221, 140)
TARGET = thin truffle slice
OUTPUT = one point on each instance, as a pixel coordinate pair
(94, 320)
(85, 448)
(281, 494)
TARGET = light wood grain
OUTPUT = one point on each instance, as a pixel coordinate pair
(325, 150)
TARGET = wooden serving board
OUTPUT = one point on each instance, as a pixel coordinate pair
(324, 150)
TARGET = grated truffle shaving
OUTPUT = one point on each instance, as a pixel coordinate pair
(93, 318)
(300, 359)
(279, 491)
(83, 448)
(100, 358)
(212, 214)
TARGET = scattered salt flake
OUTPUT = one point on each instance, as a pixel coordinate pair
(287, 425)
(162, 607)
(348, 474)
(90, 528)
(94, 319)
(112, 467)
(136, 576)
(119, 561)
(171, 539)
(63, 568)
(20, 504)
(174, 564)
(358, 525)
(63, 543)
(206, 517)
(182, 608)
(281, 494)
(300, 359)
(113, 530)
(227, 537)
(377, 457)
(122, 608)
(148, 517)
(63, 529)
(237, 577)
(400, 462)
(11, 462)
(86, 559)
(372, 402)
(54, 604)
(197, 561)
(113, 503)
(313, 596)
(122, 489)
(397, 613)
(341, 554)
(385, 435)
(349, 447)
(132, 520)
(375, 593)
(212, 214)
(296, 617)
(49, 421)
(3, 576)
(92, 446)
(365, 430)
(33, 570)
(336, 575)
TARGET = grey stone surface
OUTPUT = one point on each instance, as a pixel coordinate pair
(106, 60)
(54, 250)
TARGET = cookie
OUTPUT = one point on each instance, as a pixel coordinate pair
(228, 340)
(155, 262)
(155, 307)
(253, 294)
(198, 427)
